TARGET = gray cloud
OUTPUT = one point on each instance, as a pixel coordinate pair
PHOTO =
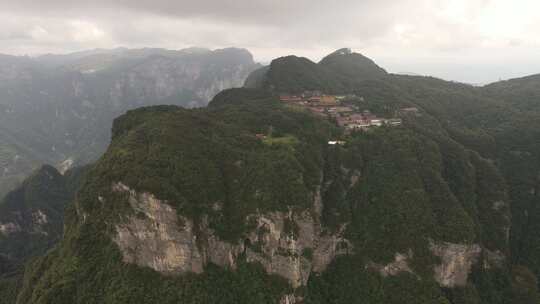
(400, 33)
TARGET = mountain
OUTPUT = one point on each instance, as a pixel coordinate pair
(58, 109)
(253, 200)
(522, 92)
(352, 66)
(31, 221)
(339, 72)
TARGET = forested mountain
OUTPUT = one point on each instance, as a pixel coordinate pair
(339, 72)
(247, 201)
(31, 221)
(58, 109)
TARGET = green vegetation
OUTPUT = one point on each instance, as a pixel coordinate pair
(416, 184)
(466, 170)
(339, 72)
(37, 209)
(347, 281)
(288, 140)
(55, 107)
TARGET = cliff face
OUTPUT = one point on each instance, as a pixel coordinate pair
(156, 237)
(59, 109)
(456, 263)
(289, 245)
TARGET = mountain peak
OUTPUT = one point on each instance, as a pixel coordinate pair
(342, 51)
(352, 65)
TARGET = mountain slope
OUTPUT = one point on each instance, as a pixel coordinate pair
(339, 72)
(285, 217)
(58, 109)
(352, 66)
(249, 203)
(31, 222)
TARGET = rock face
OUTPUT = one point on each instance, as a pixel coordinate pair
(59, 109)
(8, 228)
(286, 244)
(456, 263)
(155, 238)
(293, 255)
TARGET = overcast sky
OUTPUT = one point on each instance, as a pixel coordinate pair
(474, 41)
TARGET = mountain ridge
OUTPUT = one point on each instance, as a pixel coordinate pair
(252, 193)
(340, 71)
(61, 111)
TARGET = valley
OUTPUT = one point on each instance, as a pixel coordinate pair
(58, 109)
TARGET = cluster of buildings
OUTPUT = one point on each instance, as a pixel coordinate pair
(347, 116)
(314, 99)
(364, 121)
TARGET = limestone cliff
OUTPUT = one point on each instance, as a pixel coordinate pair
(156, 237)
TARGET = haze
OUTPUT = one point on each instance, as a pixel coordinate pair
(473, 41)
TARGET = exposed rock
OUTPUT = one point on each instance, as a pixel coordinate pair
(288, 244)
(456, 262)
(294, 255)
(155, 238)
(280, 251)
(9, 228)
(288, 299)
(327, 248)
(39, 220)
(67, 164)
(59, 112)
(400, 264)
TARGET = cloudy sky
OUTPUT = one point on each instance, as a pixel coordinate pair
(474, 41)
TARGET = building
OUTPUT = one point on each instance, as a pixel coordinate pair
(328, 100)
(359, 125)
(409, 111)
(290, 98)
(376, 122)
(315, 99)
(394, 122)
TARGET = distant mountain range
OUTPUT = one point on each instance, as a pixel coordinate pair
(58, 109)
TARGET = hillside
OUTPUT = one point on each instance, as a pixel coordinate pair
(393, 221)
(31, 222)
(352, 67)
(254, 200)
(339, 72)
(58, 109)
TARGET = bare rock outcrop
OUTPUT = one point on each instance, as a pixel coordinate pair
(8, 228)
(456, 262)
(155, 238)
(289, 244)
